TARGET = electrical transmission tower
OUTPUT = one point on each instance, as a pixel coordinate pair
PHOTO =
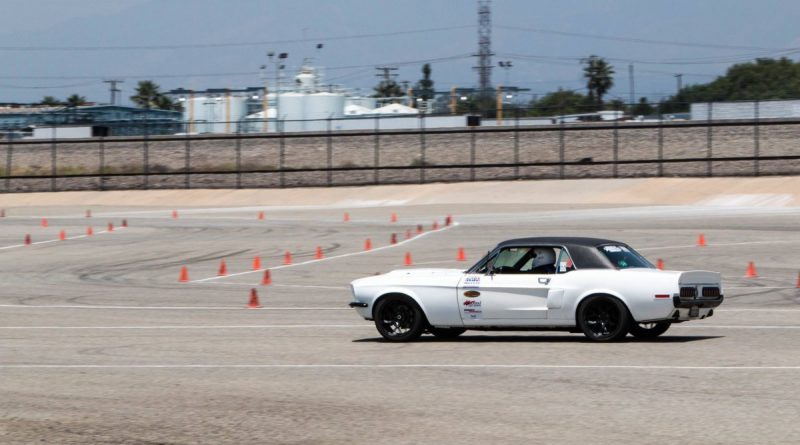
(484, 55)
(387, 72)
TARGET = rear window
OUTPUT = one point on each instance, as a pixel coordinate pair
(623, 257)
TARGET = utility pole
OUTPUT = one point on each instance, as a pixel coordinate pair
(387, 73)
(113, 89)
(679, 78)
(632, 90)
(484, 54)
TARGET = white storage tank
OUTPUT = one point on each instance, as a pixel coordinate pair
(324, 106)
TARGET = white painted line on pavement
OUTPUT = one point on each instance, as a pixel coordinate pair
(711, 326)
(310, 286)
(175, 308)
(99, 232)
(411, 366)
(335, 257)
(264, 326)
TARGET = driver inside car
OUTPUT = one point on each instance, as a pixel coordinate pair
(544, 259)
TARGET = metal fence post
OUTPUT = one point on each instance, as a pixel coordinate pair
(756, 140)
(329, 147)
(281, 155)
(422, 148)
(660, 142)
(561, 149)
(516, 143)
(102, 161)
(187, 159)
(146, 156)
(239, 154)
(615, 166)
(377, 154)
(53, 163)
(9, 156)
(709, 141)
(472, 153)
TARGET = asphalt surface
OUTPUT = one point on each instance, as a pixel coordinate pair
(100, 343)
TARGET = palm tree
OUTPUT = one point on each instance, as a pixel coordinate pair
(75, 101)
(50, 101)
(147, 94)
(598, 74)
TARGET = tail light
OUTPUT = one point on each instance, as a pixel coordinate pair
(711, 292)
(688, 292)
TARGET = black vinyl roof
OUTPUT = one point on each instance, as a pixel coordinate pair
(559, 240)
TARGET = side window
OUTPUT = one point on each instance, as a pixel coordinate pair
(565, 263)
(524, 260)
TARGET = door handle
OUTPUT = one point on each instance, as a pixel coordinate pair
(544, 281)
(472, 294)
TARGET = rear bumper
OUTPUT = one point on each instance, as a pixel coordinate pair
(702, 303)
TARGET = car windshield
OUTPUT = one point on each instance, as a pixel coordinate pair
(623, 257)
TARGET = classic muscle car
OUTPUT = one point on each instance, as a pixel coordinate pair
(600, 287)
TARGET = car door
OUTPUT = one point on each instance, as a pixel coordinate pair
(506, 292)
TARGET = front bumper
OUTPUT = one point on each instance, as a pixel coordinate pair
(355, 304)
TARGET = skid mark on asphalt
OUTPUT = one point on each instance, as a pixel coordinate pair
(336, 257)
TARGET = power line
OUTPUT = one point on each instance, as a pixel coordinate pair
(639, 40)
(227, 45)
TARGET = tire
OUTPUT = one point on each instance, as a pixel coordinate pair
(446, 333)
(398, 318)
(603, 318)
(649, 330)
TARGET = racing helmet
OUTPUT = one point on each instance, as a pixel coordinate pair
(543, 256)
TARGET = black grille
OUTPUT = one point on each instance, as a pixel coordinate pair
(688, 292)
(711, 292)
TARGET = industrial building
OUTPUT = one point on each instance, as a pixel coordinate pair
(763, 109)
(87, 121)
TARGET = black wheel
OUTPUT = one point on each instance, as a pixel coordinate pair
(398, 318)
(603, 318)
(649, 330)
(446, 332)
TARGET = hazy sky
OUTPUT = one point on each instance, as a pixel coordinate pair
(59, 47)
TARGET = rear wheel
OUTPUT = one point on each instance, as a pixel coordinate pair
(446, 332)
(398, 318)
(603, 318)
(649, 330)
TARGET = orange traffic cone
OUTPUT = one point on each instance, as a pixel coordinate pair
(419, 228)
(393, 239)
(124, 223)
(461, 256)
(346, 217)
(110, 227)
(89, 231)
(253, 303)
(660, 264)
(408, 259)
(256, 262)
(435, 225)
(701, 241)
(174, 214)
(798, 280)
(88, 213)
(184, 276)
(394, 217)
(751, 271)
(62, 236)
(319, 254)
(44, 222)
(267, 279)
(287, 258)
(368, 244)
(448, 220)
(223, 269)
(261, 215)
(28, 241)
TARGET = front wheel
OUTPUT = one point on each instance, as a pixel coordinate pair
(649, 330)
(446, 332)
(398, 318)
(603, 318)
